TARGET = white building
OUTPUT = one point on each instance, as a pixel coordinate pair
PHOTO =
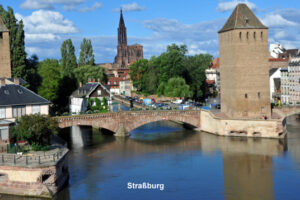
(284, 87)
(294, 80)
(16, 101)
(79, 98)
(275, 83)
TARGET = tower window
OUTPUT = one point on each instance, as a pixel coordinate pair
(246, 96)
(261, 35)
(247, 35)
(254, 35)
(1, 35)
(240, 35)
(258, 94)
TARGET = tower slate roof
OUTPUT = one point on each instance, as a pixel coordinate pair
(2, 26)
(121, 22)
(242, 18)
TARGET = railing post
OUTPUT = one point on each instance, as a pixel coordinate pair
(53, 157)
(14, 159)
(2, 158)
(26, 160)
(39, 159)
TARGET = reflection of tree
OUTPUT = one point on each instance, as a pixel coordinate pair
(247, 176)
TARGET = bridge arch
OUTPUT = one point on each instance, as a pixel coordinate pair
(124, 122)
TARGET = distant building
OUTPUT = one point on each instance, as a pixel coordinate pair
(294, 80)
(244, 67)
(16, 101)
(5, 67)
(213, 76)
(275, 82)
(79, 98)
(284, 86)
(126, 54)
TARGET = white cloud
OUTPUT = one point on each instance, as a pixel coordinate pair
(43, 25)
(230, 5)
(95, 6)
(130, 7)
(276, 20)
(50, 4)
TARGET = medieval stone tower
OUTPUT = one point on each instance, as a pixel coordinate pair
(126, 54)
(5, 68)
(244, 70)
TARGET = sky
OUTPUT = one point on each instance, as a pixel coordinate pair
(151, 23)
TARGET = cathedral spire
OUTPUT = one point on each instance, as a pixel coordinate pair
(122, 36)
(121, 23)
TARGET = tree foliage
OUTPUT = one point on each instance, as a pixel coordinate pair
(95, 105)
(83, 73)
(50, 72)
(153, 76)
(68, 58)
(16, 41)
(35, 129)
(86, 56)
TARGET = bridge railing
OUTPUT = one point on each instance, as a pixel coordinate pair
(42, 158)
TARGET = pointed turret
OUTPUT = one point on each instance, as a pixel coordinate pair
(242, 18)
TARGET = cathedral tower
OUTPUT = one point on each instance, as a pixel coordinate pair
(244, 69)
(122, 56)
(5, 65)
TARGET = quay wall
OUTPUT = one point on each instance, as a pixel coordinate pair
(273, 128)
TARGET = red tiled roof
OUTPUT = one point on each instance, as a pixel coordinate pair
(210, 82)
(215, 63)
(114, 81)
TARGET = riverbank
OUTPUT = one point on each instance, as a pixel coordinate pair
(39, 174)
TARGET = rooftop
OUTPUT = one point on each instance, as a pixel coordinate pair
(242, 18)
(12, 94)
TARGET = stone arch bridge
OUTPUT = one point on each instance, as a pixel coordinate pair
(123, 122)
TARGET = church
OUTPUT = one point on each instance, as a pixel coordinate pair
(126, 54)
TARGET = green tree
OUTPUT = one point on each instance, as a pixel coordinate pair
(171, 63)
(50, 72)
(138, 74)
(95, 105)
(195, 77)
(32, 76)
(176, 87)
(68, 58)
(86, 56)
(83, 73)
(35, 129)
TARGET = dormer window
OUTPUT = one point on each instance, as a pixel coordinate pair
(247, 20)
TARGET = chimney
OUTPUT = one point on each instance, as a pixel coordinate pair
(80, 84)
(17, 81)
(89, 80)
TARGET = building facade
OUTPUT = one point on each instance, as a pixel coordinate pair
(16, 101)
(244, 69)
(5, 65)
(294, 80)
(126, 54)
(284, 86)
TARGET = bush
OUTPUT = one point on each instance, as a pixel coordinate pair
(37, 147)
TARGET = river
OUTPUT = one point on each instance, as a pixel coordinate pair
(189, 164)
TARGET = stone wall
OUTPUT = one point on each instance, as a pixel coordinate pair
(36, 181)
(5, 68)
(241, 127)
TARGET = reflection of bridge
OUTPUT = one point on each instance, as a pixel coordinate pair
(123, 122)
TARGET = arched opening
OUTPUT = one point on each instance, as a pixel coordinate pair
(162, 131)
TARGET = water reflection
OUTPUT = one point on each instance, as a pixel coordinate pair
(191, 164)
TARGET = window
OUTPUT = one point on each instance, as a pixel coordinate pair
(261, 35)
(254, 35)
(99, 92)
(240, 35)
(108, 83)
(258, 94)
(247, 35)
(36, 109)
(2, 113)
(246, 96)
(1, 35)
(18, 111)
(3, 133)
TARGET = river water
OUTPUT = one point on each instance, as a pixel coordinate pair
(189, 164)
